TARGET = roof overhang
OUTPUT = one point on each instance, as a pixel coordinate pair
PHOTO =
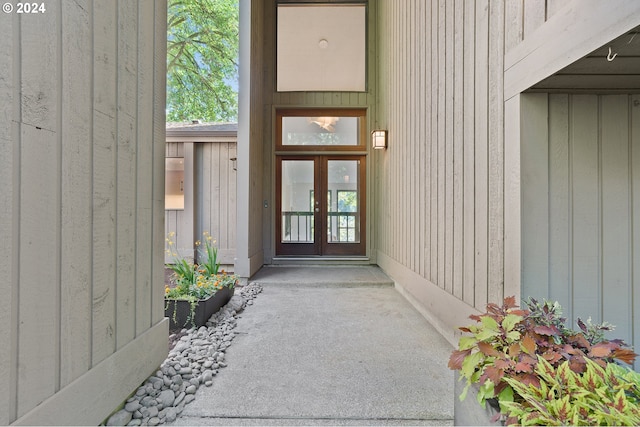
(201, 132)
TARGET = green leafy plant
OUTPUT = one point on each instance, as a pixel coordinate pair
(195, 282)
(184, 271)
(507, 342)
(597, 396)
(494, 349)
(203, 286)
(209, 254)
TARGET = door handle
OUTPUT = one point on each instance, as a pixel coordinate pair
(317, 209)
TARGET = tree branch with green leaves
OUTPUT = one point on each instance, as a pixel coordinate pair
(202, 64)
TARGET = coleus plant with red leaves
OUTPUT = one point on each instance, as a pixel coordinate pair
(506, 342)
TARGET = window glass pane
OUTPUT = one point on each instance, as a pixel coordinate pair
(174, 183)
(297, 201)
(343, 213)
(320, 130)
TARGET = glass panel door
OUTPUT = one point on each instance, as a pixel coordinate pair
(344, 180)
(320, 206)
(298, 207)
(342, 209)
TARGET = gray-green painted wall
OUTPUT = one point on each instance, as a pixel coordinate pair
(82, 165)
(581, 208)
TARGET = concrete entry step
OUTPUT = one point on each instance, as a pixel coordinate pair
(322, 276)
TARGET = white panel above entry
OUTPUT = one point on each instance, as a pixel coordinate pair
(321, 48)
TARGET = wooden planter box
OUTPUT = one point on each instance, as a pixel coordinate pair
(469, 412)
(178, 311)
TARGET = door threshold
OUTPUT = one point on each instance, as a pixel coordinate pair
(320, 260)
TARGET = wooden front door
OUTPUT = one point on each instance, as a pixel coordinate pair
(320, 205)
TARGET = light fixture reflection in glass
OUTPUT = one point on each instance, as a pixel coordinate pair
(326, 123)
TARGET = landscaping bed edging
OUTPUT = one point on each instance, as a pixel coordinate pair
(179, 311)
(194, 361)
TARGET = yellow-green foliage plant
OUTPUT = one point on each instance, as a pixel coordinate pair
(195, 282)
(608, 396)
(506, 343)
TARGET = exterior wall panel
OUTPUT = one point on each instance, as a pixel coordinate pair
(481, 55)
(8, 225)
(39, 191)
(76, 223)
(78, 215)
(145, 164)
(252, 115)
(177, 221)
(587, 240)
(447, 135)
(216, 196)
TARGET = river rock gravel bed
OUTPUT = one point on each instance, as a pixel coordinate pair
(195, 357)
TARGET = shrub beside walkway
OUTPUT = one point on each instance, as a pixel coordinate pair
(329, 346)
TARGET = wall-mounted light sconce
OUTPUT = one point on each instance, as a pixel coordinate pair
(379, 139)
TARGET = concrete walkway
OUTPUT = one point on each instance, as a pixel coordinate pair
(329, 346)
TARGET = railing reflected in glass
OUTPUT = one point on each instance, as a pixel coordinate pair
(298, 227)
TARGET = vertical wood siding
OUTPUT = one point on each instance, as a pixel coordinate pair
(216, 196)
(174, 220)
(39, 192)
(76, 226)
(580, 208)
(440, 195)
(81, 121)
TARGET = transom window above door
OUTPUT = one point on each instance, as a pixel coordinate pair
(320, 130)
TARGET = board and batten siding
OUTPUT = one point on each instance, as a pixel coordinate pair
(82, 162)
(174, 219)
(216, 196)
(213, 194)
(440, 186)
(581, 207)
